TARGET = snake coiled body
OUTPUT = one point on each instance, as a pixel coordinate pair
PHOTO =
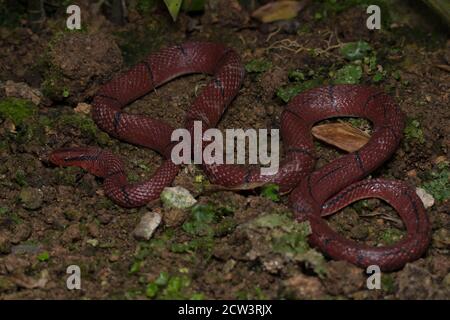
(314, 194)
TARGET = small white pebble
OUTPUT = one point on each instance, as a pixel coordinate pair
(177, 197)
(147, 226)
(427, 199)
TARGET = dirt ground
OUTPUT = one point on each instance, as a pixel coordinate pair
(51, 218)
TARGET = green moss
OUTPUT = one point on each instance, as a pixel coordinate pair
(168, 287)
(6, 214)
(51, 86)
(355, 50)
(387, 283)
(258, 66)
(439, 184)
(16, 110)
(290, 239)
(391, 236)
(20, 178)
(200, 221)
(67, 175)
(79, 121)
(348, 74)
(271, 191)
(413, 131)
(289, 91)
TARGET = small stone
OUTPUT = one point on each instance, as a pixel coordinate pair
(23, 91)
(446, 281)
(427, 199)
(147, 226)
(304, 287)
(73, 214)
(83, 108)
(114, 257)
(177, 197)
(21, 233)
(93, 230)
(104, 218)
(5, 244)
(71, 234)
(13, 263)
(31, 198)
(92, 242)
(175, 217)
(359, 232)
(6, 284)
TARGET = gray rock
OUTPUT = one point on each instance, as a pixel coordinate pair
(26, 248)
(177, 197)
(147, 226)
(31, 198)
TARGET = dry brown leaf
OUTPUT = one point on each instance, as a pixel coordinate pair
(26, 282)
(280, 10)
(341, 135)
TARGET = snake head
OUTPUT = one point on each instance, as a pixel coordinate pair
(84, 157)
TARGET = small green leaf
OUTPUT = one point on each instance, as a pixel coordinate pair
(136, 267)
(296, 75)
(43, 256)
(377, 77)
(162, 279)
(66, 93)
(355, 50)
(151, 290)
(174, 7)
(349, 74)
(270, 191)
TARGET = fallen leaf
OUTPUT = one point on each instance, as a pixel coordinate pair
(174, 7)
(280, 10)
(341, 135)
(29, 282)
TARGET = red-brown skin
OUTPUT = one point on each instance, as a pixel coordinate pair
(315, 194)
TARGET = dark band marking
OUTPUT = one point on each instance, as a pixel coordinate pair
(125, 194)
(112, 174)
(180, 47)
(308, 184)
(108, 97)
(82, 158)
(218, 84)
(150, 72)
(301, 150)
(371, 97)
(415, 209)
(331, 95)
(359, 162)
(328, 174)
(359, 257)
(117, 117)
(247, 176)
(326, 241)
(343, 194)
(219, 61)
(294, 114)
